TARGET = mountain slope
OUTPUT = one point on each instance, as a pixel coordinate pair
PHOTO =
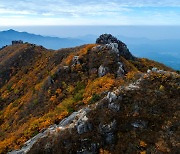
(49, 42)
(40, 87)
(127, 120)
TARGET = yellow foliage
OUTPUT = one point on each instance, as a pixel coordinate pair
(102, 151)
(8, 142)
(69, 59)
(38, 86)
(65, 104)
(131, 75)
(98, 86)
(5, 95)
(70, 89)
(84, 50)
(161, 88)
(62, 115)
(45, 124)
(142, 144)
(10, 110)
(80, 53)
(59, 91)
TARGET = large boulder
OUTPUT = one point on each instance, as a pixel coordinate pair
(109, 39)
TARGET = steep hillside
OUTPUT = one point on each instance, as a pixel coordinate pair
(137, 117)
(40, 87)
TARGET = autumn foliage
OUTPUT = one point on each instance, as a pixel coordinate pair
(98, 86)
(36, 91)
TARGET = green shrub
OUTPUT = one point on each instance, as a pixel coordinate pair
(79, 86)
(79, 96)
(9, 87)
(70, 109)
(95, 98)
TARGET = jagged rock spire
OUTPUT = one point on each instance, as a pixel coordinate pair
(123, 50)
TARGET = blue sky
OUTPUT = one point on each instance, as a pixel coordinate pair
(91, 12)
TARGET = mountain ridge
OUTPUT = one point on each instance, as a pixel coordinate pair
(39, 88)
(47, 41)
(159, 50)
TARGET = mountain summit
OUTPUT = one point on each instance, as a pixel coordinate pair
(95, 98)
(123, 50)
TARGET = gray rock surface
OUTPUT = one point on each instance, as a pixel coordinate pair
(109, 138)
(102, 71)
(123, 50)
(68, 120)
(113, 47)
(75, 60)
(154, 69)
(111, 96)
(114, 106)
(139, 124)
(120, 71)
(107, 128)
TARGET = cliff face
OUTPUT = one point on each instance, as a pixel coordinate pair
(93, 98)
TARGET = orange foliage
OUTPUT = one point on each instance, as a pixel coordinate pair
(131, 75)
(143, 152)
(5, 95)
(7, 143)
(59, 91)
(102, 151)
(142, 144)
(68, 60)
(84, 50)
(53, 98)
(80, 53)
(98, 86)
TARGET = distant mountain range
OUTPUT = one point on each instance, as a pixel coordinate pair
(164, 51)
(49, 42)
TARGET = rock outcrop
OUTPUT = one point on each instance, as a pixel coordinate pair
(109, 39)
(102, 71)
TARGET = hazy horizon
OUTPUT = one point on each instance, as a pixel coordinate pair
(160, 43)
(149, 32)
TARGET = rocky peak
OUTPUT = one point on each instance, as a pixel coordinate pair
(109, 39)
(106, 39)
